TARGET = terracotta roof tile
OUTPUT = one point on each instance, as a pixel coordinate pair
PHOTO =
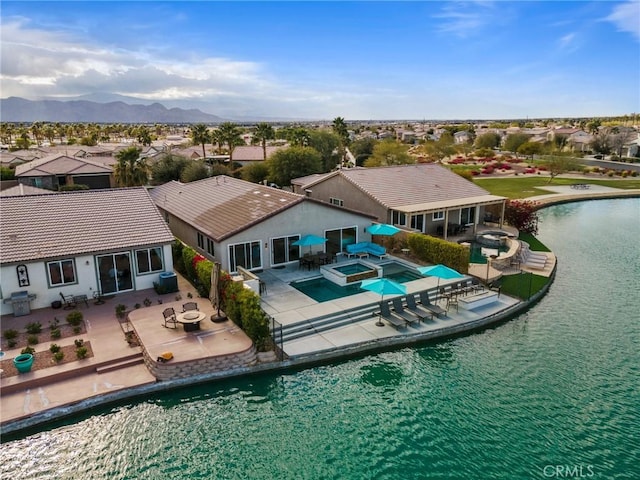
(222, 206)
(75, 223)
(403, 185)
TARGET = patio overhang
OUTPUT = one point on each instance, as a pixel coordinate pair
(451, 204)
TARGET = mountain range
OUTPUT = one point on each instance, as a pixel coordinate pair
(16, 109)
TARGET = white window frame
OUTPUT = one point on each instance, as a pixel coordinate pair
(62, 282)
(336, 201)
(438, 216)
(148, 250)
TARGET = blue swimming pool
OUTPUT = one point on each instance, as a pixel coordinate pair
(322, 290)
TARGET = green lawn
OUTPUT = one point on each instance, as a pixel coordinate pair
(523, 285)
(523, 187)
(535, 244)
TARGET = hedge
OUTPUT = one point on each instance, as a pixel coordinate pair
(435, 250)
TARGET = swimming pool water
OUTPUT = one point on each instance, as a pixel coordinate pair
(323, 290)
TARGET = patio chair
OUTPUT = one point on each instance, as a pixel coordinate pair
(189, 306)
(418, 310)
(399, 310)
(496, 286)
(68, 301)
(426, 303)
(389, 316)
(170, 320)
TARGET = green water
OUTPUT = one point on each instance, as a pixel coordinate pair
(556, 387)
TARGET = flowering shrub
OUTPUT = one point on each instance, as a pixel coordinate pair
(522, 215)
(542, 168)
(487, 170)
(475, 172)
(529, 170)
(457, 161)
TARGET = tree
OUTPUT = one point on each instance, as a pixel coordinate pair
(293, 162)
(620, 139)
(488, 140)
(601, 142)
(264, 131)
(325, 143)
(513, 142)
(558, 165)
(522, 215)
(389, 152)
(231, 135)
(195, 170)
(444, 147)
(144, 136)
(131, 170)
(256, 172)
(168, 168)
(530, 149)
(297, 136)
(339, 127)
(200, 136)
(362, 149)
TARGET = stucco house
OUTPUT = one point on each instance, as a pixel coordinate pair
(426, 198)
(78, 243)
(243, 224)
(57, 170)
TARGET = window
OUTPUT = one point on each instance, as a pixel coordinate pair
(210, 249)
(283, 250)
(246, 255)
(200, 240)
(417, 222)
(61, 272)
(336, 201)
(438, 215)
(467, 215)
(398, 218)
(149, 260)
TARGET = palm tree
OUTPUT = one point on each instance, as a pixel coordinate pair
(232, 136)
(264, 131)
(130, 170)
(339, 127)
(200, 136)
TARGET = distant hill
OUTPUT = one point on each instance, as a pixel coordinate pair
(16, 109)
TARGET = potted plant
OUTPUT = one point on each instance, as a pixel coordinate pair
(24, 362)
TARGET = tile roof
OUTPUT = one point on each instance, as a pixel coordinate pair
(419, 184)
(252, 153)
(75, 223)
(222, 206)
(22, 189)
(61, 165)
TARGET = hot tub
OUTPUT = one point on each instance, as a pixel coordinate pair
(350, 272)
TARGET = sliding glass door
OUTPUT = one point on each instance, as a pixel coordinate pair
(114, 272)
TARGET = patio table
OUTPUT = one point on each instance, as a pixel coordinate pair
(191, 320)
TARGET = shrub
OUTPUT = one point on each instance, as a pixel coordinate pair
(436, 250)
(81, 352)
(77, 329)
(120, 310)
(74, 318)
(30, 350)
(522, 215)
(54, 348)
(78, 342)
(32, 340)
(34, 327)
(55, 333)
(10, 334)
(12, 343)
(58, 356)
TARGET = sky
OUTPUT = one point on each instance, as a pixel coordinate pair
(320, 60)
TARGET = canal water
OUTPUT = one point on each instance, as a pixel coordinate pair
(553, 393)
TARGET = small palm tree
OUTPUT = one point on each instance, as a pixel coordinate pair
(264, 132)
(131, 170)
(232, 136)
(200, 136)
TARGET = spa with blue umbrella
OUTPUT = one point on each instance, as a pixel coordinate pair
(383, 286)
(440, 271)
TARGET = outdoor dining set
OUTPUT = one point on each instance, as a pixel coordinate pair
(190, 317)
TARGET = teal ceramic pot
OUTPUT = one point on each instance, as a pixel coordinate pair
(23, 362)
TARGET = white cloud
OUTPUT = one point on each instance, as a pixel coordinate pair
(626, 17)
(463, 19)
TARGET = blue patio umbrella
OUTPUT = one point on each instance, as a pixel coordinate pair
(309, 241)
(440, 271)
(382, 229)
(383, 286)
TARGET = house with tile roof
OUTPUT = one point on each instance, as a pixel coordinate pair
(82, 242)
(243, 224)
(250, 154)
(54, 171)
(426, 198)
